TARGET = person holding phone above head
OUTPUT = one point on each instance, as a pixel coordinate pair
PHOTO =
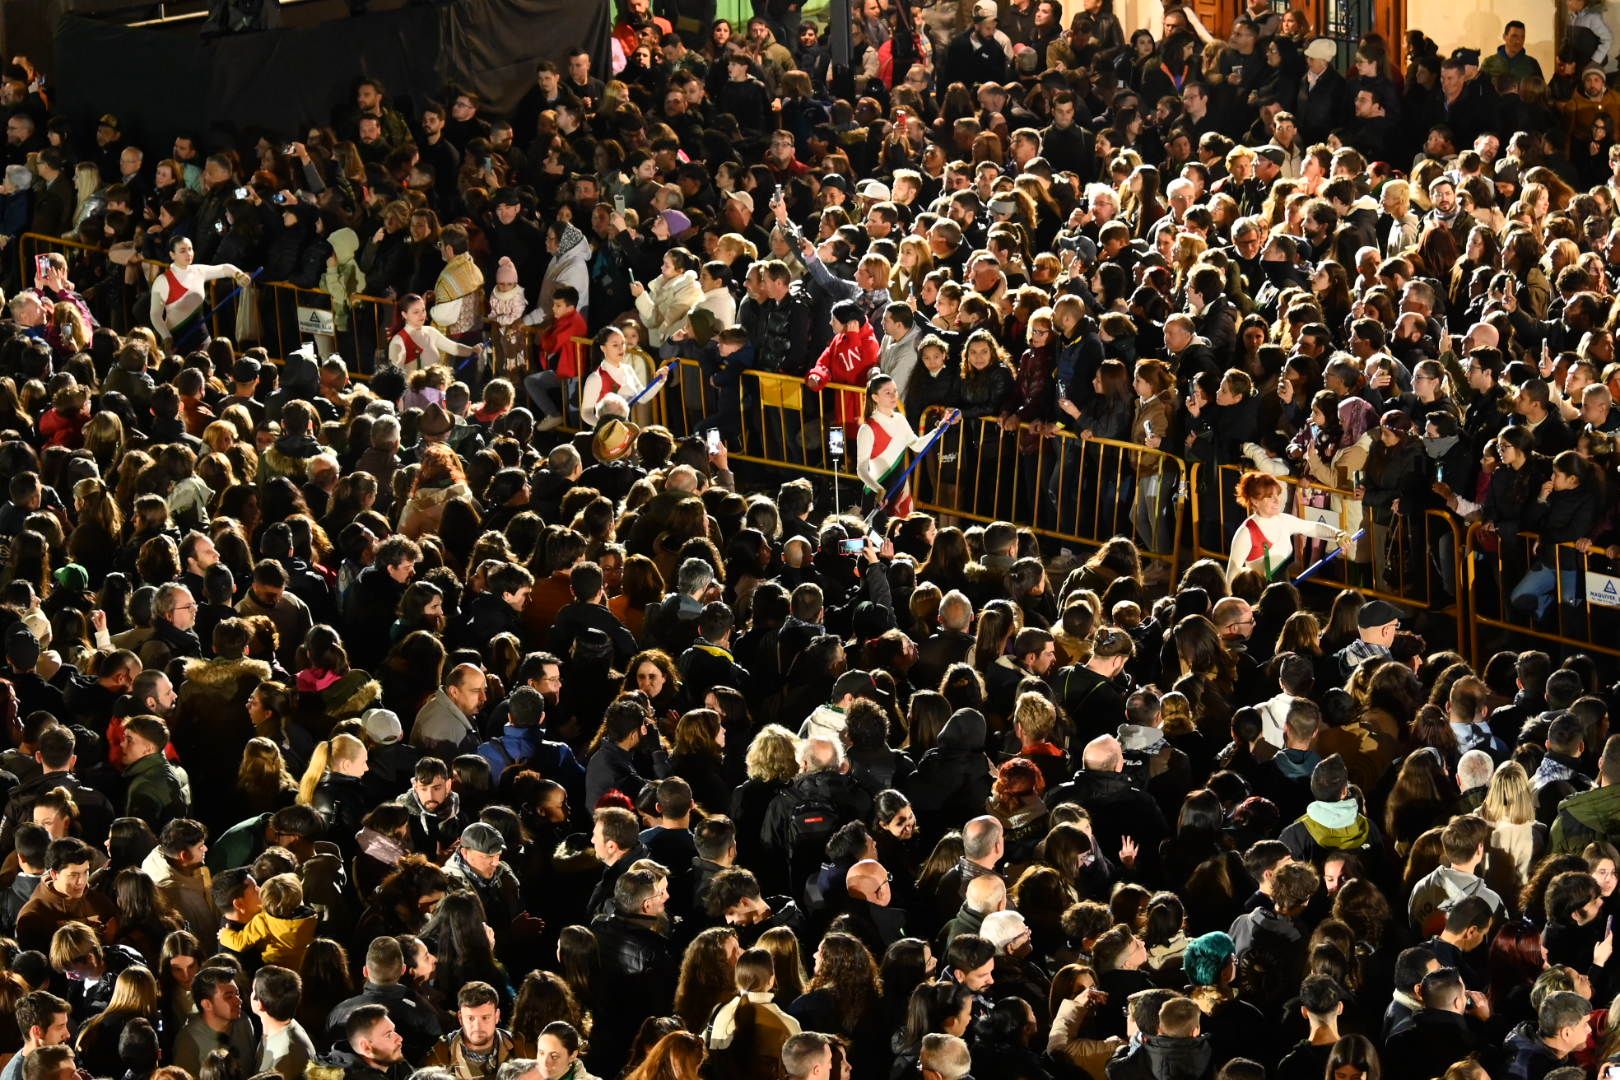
(180, 298)
(1264, 541)
(881, 444)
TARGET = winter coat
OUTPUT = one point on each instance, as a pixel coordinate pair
(211, 724)
(572, 268)
(188, 891)
(284, 940)
(665, 305)
(344, 278)
(1161, 411)
(1442, 887)
(638, 975)
(1117, 810)
(846, 361)
(987, 393)
(1525, 1056)
(425, 509)
(952, 780)
(1583, 818)
(47, 909)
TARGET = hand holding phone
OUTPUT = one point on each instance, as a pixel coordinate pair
(714, 440)
(618, 204)
(852, 547)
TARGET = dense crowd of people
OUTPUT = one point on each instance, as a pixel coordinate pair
(462, 722)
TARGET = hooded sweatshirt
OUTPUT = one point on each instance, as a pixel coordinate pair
(1442, 887)
(1173, 1058)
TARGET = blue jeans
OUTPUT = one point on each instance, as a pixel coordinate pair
(1540, 585)
(539, 386)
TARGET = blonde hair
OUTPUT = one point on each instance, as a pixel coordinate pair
(345, 748)
(1035, 717)
(282, 896)
(70, 321)
(773, 755)
(1508, 800)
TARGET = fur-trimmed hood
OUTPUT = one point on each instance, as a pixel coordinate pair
(221, 674)
(351, 695)
(285, 464)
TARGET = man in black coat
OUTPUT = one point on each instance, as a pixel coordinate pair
(1323, 101)
(373, 600)
(53, 210)
(709, 663)
(384, 972)
(496, 610)
(975, 56)
(589, 611)
(638, 972)
(1443, 1031)
(516, 237)
(1117, 809)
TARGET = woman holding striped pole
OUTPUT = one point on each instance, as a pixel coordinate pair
(1265, 540)
(881, 444)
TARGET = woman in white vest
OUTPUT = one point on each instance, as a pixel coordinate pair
(1265, 539)
(180, 297)
(882, 442)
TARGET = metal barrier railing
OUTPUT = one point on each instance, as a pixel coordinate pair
(1494, 577)
(1410, 560)
(274, 319)
(1084, 490)
(772, 419)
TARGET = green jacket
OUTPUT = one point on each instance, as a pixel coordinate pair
(154, 791)
(1585, 817)
(238, 845)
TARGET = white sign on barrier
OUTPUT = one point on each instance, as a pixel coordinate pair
(1603, 589)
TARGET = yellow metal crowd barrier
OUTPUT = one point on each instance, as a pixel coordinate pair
(1495, 566)
(1404, 563)
(278, 314)
(1083, 491)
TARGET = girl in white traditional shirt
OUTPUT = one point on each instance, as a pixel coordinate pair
(614, 375)
(180, 297)
(1265, 540)
(882, 441)
(414, 344)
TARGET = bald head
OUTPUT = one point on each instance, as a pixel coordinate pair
(1482, 336)
(981, 840)
(1233, 617)
(1104, 754)
(986, 894)
(867, 880)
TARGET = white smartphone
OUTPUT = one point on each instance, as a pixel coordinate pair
(714, 440)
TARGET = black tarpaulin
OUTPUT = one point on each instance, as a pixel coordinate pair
(164, 81)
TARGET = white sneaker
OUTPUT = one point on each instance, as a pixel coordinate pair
(549, 423)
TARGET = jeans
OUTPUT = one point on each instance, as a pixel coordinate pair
(539, 387)
(1539, 586)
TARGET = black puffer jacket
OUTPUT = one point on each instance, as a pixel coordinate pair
(952, 780)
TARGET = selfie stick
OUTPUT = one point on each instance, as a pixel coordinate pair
(1330, 556)
(916, 459)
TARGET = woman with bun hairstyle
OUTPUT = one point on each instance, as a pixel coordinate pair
(1264, 541)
